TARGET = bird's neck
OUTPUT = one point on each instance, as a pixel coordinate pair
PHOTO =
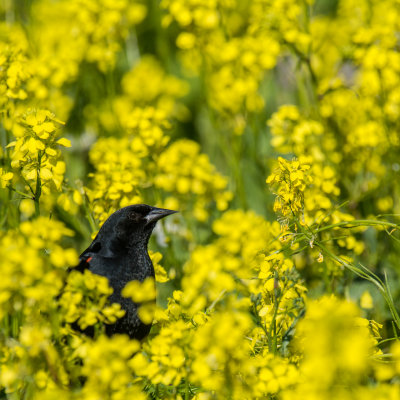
(141, 262)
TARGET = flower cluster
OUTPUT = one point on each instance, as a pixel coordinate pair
(14, 73)
(119, 175)
(32, 279)
(228, 44)
(332, 330)
(128, 167)
(292, 180)
(145, 108)
(108, 368)
(36, 154)
(302, 204)
(79, 31)
(84, 300)
(143, 294)
(232, 256)
(182, 171)
(191, 105)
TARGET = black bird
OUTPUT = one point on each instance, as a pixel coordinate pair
(119, 252)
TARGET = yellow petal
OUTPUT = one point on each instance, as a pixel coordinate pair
(41, 116)
(49, 127)
(64, 142)
(31, 175)
(59, 168)
(43, 135)
(77, 197)
(40, 145)
(51, 152)
(31, 120)
(366, 300)
(8, 176)
(32, 145)
(46, 174)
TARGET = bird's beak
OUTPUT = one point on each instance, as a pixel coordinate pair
(157, 213)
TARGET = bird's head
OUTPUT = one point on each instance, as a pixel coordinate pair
(128, 227)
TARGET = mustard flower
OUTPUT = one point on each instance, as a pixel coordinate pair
(183, 171)
(36, 154)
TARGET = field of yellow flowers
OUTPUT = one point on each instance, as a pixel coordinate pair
(273, 126)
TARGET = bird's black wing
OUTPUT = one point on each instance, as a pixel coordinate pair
(87, 255)
(83, 263)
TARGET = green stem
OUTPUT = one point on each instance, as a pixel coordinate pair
(89, 214)
(26, 196)
(362, 272)
(368, 275)
(187, 391)
(272, 340)
(356, 223)
(38, 190)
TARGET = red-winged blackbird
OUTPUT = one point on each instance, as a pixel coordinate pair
(119, 252)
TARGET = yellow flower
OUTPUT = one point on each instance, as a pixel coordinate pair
(187, 174)
(366, 300)
(5, 177)
(140, 291)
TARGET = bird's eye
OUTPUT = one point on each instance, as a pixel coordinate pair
(135, 217)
